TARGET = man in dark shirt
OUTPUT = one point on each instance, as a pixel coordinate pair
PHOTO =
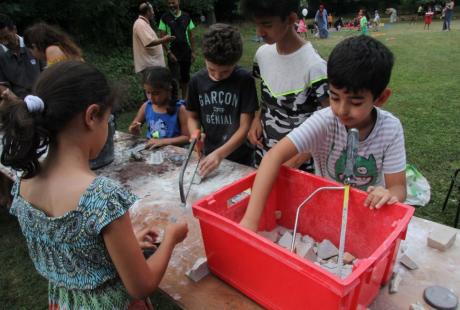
(18, 67)
(180, 52)
(222, 100)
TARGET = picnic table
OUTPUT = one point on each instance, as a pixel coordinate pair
(158, 190)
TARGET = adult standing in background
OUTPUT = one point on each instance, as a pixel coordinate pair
(147, 47)
(18, 67)
(393, 14)
(50, 44)
(448, 14)
(180, 52)
(321, 21)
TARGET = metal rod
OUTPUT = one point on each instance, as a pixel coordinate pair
(303, 203)
(343, 230)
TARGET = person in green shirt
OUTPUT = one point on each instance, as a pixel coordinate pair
(363, 22)
(180, 52)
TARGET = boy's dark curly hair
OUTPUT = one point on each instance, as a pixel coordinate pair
(222, 45)
(360, 63)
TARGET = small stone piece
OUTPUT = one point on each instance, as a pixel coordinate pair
(199, 270)
(441, 238)
(346, 271)
(330, 266)
(334, 259)
(308, 239)
(278, 214)
(334, 268)
(408, 262)
(326, 249)
(348, 258)
(440, 298)
(270, 235)
(298, 238)
(196, 179)
(135, 156)
(416, 306)
(302, 248)
(394, 283)
(311, 255)
(282, 230)
(286, 240)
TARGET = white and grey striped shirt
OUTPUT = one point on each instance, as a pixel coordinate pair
(325, 137)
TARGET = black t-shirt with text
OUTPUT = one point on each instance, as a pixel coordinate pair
(219, 106)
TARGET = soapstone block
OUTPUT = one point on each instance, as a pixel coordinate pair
(394, 283)
(408, 262)
(199, 270)
(282, 230)
(270, 235)
(416, 306)
(308, 239)
(286, 240)
(441, 238)
(196, 179)
(346, 271)
(348, 258)
(302, 249)
(311, 255)
(326, 249)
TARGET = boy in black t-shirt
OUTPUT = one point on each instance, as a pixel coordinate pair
(222, 99)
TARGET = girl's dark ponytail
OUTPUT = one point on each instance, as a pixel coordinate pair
(24, 139)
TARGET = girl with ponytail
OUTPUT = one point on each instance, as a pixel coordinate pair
(77, 224)
(164, 114)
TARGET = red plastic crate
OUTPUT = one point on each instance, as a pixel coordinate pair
(278, 279)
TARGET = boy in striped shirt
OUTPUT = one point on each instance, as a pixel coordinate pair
(359, 70)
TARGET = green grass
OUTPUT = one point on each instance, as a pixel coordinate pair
(425, 97)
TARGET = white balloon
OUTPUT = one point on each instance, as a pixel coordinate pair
(305, 12)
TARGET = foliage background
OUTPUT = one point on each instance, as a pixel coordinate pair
(85, 19)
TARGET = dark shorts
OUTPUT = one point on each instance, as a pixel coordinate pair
(180, 70)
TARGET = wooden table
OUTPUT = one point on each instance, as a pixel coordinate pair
(157, 186)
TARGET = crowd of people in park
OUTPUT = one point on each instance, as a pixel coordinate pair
(445, 12)
(77, 224)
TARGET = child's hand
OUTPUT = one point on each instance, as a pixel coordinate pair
(176, 231)
(3, 88)
(167, 38)
(7, 94)
(146, 238)
(155, 143)
(378, 196)
(255, 134)
(209, 164)
(172, 57)
(135, 128)
(197, 135)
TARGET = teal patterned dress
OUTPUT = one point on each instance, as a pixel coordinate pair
(70, 252)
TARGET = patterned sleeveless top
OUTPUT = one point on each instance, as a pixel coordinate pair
(69, 250)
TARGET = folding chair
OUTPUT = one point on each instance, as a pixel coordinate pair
(455, 182)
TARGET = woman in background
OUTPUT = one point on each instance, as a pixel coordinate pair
(50, 44)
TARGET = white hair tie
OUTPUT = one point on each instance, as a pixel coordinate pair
(34, 104)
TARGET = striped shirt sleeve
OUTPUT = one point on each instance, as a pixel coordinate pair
(308, 136)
